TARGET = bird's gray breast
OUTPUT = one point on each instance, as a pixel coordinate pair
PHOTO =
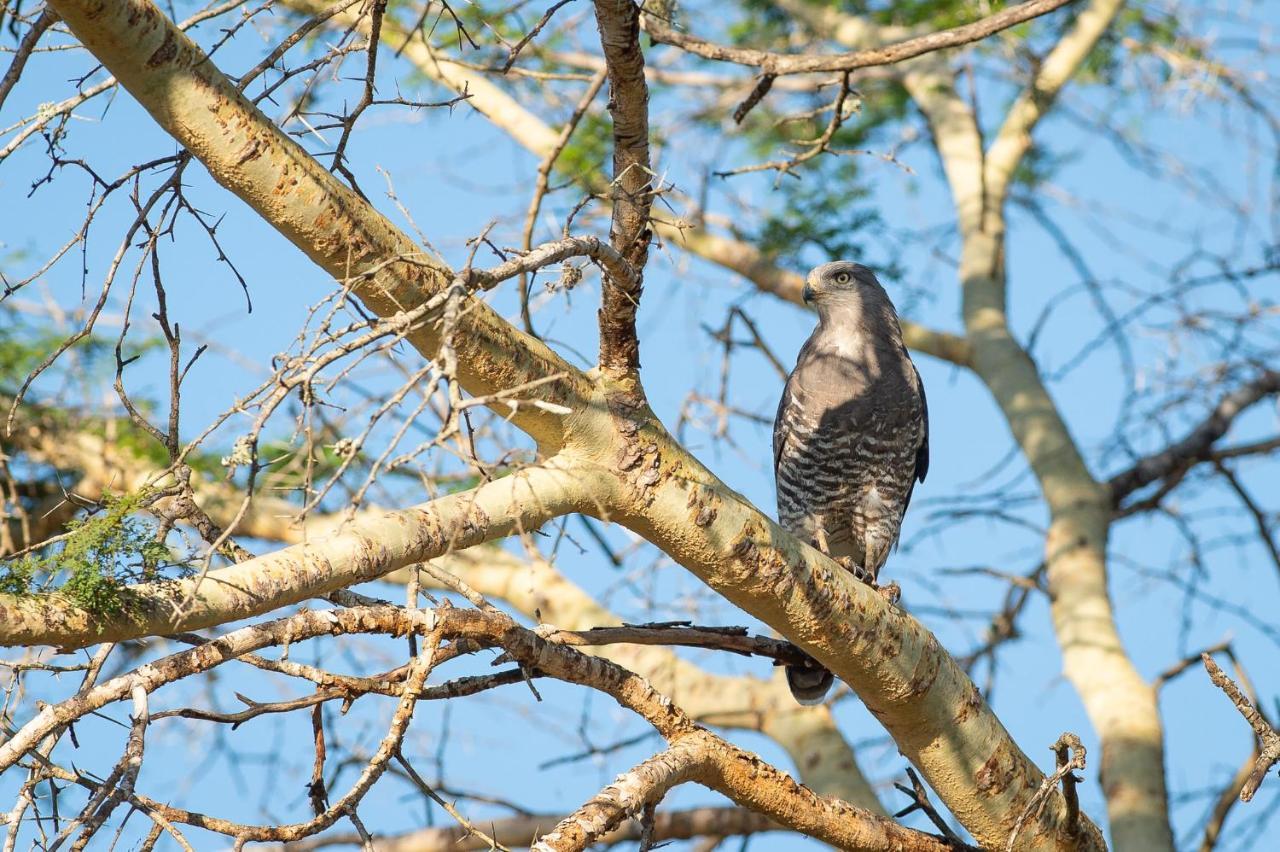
(846, 436)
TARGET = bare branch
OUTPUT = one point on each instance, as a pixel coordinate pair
(515, 831)
(1262, 729)
(779, 64)
(1198, 444)
(29, 41)
(734, 639)
(633, 182)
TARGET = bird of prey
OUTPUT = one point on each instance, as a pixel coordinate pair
(851, 437)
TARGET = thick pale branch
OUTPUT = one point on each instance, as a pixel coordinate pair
(779, 64)
(365, 550)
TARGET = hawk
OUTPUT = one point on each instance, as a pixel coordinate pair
(851, 437)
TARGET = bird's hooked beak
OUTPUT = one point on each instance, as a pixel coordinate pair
(807, 294)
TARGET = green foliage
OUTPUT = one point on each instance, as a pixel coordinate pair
(813, 216)
(937, 14)
(21, 350)
(825, 204)
(589, 150)
(1039, 166)
(16, 577)
(1134, 32)
(24, 346)
(101, 555)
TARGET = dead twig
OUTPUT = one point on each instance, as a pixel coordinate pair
(1267, 735)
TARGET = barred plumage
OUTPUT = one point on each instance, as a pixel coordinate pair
(851, 437)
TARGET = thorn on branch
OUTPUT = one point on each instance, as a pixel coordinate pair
(1269, 739)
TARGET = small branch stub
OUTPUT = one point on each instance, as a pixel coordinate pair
(1070, 755)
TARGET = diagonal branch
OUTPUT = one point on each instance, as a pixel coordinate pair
(1267, 735)
(1013, 139)
(778, 64)
(1197, 446)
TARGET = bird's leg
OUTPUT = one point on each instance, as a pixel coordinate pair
(876, 555)
(891, 592)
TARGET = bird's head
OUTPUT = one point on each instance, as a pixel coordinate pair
(843, 282)
(849, 299)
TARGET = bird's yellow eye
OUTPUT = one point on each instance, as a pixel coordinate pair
(842, 278)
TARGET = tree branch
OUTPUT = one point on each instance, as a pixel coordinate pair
(632, 185)
(1197, 446)
(516, 831)
(779, 64)
(367, 549)
(1267, 735)
(733, 639)
(643, 785)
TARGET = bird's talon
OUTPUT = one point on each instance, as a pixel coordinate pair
(849, 564)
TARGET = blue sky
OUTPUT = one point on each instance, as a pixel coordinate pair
(456, 173)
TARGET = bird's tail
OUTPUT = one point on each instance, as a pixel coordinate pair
(809, 683)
